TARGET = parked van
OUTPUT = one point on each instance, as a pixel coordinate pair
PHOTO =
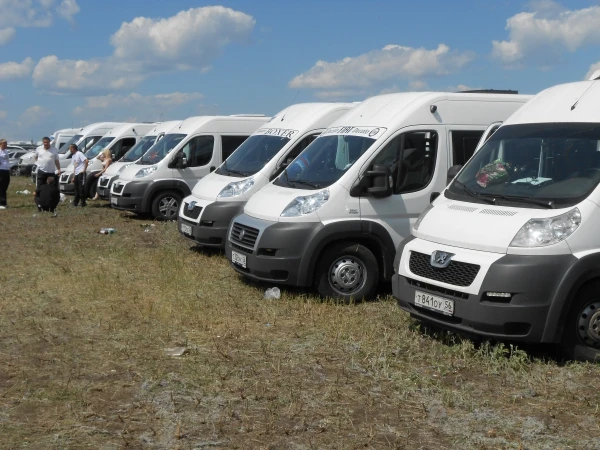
(336, 214)
(136, 152)
(60, 140)
(511, 249)
(204, 216)
(118, 139)
(169, 170)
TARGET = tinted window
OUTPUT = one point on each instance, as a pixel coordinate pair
(98, 147)
(65, 148)
(463, 145)
(252, 155)
(199, 150)
(136, 152)
(158, 151)
(229, 144)
(121, 147)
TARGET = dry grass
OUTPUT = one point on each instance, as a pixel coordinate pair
(84, 319)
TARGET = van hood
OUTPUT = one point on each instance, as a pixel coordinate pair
(114, 168)
(130, 171)
(477, 226)
(271, 200)
(94, 165)
(208, 187)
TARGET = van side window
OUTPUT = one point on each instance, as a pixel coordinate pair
(464, 143)
(121, 147)
(229, 144)
(411, 158)
(199, 150)
(300, 146)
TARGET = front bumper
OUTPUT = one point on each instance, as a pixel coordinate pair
(104, 185)
(274, 250)
(533, 282)
(65, 185)
(25, 169)
(129, 196)
(208, 224)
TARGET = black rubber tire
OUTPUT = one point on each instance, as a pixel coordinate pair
(343, 253)
(90, 186)
(572, 344)
(158, 203)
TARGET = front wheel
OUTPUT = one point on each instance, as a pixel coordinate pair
(165, 205)
(346, 272)
(581, 333)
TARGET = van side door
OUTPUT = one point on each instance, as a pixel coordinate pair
(200, 154)
(418, 167)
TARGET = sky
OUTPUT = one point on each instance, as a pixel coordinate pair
(68, 63)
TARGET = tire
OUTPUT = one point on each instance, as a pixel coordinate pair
(581, 333)
(347, 272)
(165, 205)
(14, 171)
(91, 185)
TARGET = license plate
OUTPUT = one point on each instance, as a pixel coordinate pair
(238, 258)
(434, 303)
(186, 229)
(113, 201)
(62, 187)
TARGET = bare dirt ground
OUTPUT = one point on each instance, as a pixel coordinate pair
(85, 319)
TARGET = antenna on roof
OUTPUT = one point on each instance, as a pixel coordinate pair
(488, 91)
(584, 92)
(293, 102)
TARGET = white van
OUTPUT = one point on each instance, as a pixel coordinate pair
(169, 170)
(511, 249)
(136, 152)
(60, 139)
(204, 216)
(119, 139)
(336, 214)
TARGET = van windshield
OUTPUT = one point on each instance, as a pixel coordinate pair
(158, 151)
(65, 147)
(138, 150)
(324, 161)
(252, 155)
(98, 147)
(542, 165)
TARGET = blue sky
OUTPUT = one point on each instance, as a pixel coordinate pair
(67, 63)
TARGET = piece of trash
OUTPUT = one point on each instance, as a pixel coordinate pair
(25, 192)
(272, 293)
(63, 197)
(176, 351)
(35, 215)
(268, 324)
(107, 231)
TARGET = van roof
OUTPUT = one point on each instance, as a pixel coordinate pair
(219, 124)
(570, 102)
(98, 125)
(163, 127)
(139, 129)
(302, 116)
(435, 108)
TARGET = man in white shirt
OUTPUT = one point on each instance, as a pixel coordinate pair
(4, 173)
(80, 163)
(47, 162)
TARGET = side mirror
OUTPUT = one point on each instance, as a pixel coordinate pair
(180, 161)
(113, 156)
(452, 172)
(381, 181)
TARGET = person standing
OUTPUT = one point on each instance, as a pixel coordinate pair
(106, 157)
(47, 162)
(4, 173)
(80, 163)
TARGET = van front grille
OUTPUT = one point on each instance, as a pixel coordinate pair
(244, 235)
(457, 273)
(193, 213)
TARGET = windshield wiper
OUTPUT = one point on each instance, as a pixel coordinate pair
(306, 183)
(477, 195)
(533, 201)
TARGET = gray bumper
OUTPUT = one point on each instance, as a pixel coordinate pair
(278, 254)
(133, 197)
(214, 223)
(533, 281)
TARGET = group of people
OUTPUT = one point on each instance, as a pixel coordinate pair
(46, 194)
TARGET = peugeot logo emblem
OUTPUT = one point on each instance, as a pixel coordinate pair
(441, 259)
(241, 235)
(191, 206)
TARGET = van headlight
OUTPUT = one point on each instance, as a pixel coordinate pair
(123, 168)
(236, 188)
(542, 232)
(306, 204)
(145, 172)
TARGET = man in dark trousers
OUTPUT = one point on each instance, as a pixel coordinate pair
(80, 163)
(47, 196)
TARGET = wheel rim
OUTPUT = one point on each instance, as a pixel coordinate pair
(588, 325)
(347, 275)
(168, 207)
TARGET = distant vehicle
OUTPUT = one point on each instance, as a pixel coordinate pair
(14, 154)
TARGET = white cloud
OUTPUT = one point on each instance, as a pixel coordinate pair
(34, 13)
(593, 68)
(543, 34)
(14, 70)
(67, 9)
(3, 115)
(341, 94)
(7, 35)
(379, 66)
(190, 39)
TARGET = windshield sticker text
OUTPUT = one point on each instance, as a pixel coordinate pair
(372, 132)
(277, 132)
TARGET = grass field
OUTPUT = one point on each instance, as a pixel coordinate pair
(85, 320)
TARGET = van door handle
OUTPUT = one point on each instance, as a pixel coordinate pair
(212, 168)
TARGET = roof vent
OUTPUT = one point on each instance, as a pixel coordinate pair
(488, 91)
(595, 75)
